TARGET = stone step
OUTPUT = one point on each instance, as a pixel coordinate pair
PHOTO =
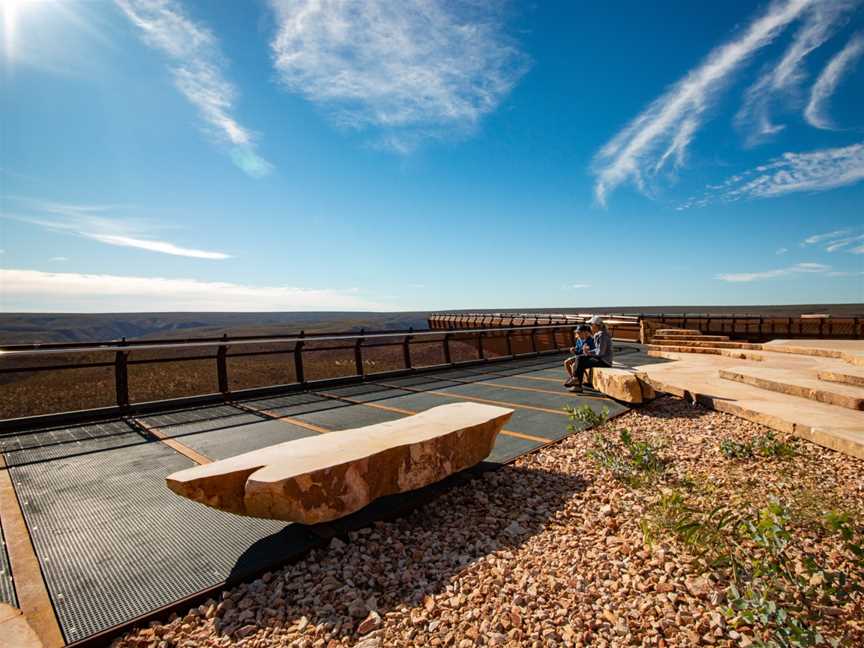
(671, 348)
(846, 350)
(671, 331)
(664, 352)
(856, 380)
(684, 338)
(794, 383)
(720, 344)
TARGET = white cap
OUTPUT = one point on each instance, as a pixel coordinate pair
(596, 320)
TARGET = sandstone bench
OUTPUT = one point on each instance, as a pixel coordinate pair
(322, 478)
(624, 385)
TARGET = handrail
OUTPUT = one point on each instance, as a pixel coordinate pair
(489, 345)
(132, 345)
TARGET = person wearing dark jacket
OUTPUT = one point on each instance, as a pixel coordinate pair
(599, 356)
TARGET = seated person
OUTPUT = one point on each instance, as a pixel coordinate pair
(599, 356)
(583, 340)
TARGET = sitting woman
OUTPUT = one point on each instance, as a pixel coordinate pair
(599, 356)
(583, 339)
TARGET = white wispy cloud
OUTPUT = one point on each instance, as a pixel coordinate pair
(781, 251)
(845, 273)
(813, 171)
(576, 286)
(782, 78)
(196, 64)
(826, 84)
(414, 69)
(155, 246)
(59, 259)
(38, 291)
(839, 244)
(93, 222)
(824, 236)
(799, 268)
(665, 129)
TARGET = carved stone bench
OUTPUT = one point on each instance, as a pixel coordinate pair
(322, 478)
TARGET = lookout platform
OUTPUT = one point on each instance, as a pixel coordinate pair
(95, 542)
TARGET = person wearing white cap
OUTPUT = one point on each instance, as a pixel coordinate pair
(599, 356)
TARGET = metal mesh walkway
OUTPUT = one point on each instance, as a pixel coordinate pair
(115, 544)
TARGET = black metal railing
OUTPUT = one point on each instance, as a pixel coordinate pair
(400, 356)
(736, 325)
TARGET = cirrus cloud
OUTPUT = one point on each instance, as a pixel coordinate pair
(415, 69)
(829, 79)
(664, 130)
(197, 69)
(799, 268)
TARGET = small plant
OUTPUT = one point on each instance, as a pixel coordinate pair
(630, 462)
(768, 445)
(585, 417)
(732, 449)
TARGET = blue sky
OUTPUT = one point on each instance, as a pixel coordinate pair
(296, 155)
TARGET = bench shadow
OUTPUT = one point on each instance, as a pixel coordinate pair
(396, 551)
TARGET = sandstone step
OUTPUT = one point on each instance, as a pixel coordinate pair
(671, 331)
(325, 477)
(793, 383)
(851, 351)
(696, 338)
(698, 342)
(682, 349)
(839, 377)
(743, 354)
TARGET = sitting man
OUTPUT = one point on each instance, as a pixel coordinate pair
(599, 356)
(583, 340)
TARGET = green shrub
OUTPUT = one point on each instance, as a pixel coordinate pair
(630, 462)
(585, 417)
(732, 449)
(765, 445)
(755, 550)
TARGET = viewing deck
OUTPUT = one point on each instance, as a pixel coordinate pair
(96, 542)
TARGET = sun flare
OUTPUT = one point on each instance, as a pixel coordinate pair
(11, 12)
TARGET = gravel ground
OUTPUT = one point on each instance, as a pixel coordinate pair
(547, 551)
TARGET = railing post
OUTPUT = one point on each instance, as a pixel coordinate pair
(447, 359)
(510, 343)
(481, 352)
(760, 326)
(298, 360)
(534, 341)
(406, 350)
(358, 355)
(821, 326)
(222, 367)
(121, 378)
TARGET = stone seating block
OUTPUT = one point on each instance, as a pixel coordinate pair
(622, 384)
(322, 478)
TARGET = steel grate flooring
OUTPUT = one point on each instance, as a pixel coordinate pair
(7, 588)
(114, 543)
